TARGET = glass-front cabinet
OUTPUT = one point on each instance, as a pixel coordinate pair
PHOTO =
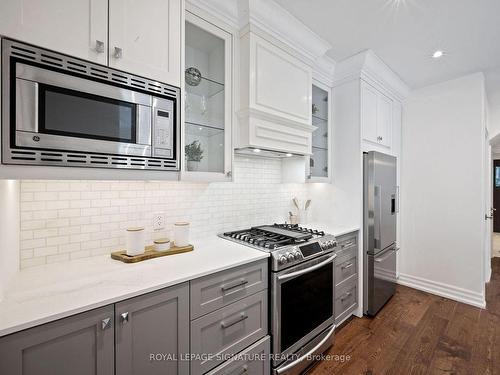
(319, 166)
(207, 101)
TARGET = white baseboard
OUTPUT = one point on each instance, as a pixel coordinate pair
(443, 290)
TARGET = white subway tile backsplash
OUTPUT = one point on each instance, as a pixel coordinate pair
(65, 220)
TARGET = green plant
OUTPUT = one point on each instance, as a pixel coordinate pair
(194, 152)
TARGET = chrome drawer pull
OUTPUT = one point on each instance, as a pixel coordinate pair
(347, 244)
(227, 287)
(345, 296)
(241, 318)
(243, 368)
(349, 265)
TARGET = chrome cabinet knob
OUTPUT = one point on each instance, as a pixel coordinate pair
(124, 317)
(118, 53)
(99, 46)
(105, 323)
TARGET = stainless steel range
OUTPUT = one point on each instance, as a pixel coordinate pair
(302, 291)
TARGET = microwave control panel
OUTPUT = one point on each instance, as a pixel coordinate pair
(163, 134)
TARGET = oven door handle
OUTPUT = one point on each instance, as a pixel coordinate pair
(284, 369)
(309, 269)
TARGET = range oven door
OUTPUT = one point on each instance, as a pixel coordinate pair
(302, 305)
(58, 111)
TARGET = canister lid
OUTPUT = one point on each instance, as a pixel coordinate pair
(135, 229)
(161, 241)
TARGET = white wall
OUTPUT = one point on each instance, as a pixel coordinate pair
(64, 220)
(340, 203)
(443, 190)
(9, 231)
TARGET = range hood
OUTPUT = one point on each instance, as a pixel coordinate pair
(253, 151)
(275, 114)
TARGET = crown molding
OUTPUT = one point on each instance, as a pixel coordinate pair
(324, 69)
(369, 67)
(224, 10)
(271, 21)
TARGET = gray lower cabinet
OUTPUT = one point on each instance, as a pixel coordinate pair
(254, 360)
(212, 292)
(225, 332)
(79, 345)
(346, 276)
(152, 333)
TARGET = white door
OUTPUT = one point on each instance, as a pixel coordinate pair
(145, 38)
(369, 113)
(384, 120)
(77, 27)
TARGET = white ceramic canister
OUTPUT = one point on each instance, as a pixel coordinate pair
(136, 241)
(162, 244)
(181, 234)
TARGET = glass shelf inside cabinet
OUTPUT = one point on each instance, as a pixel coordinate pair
(319, 157)
(206, 87)
(205, 98)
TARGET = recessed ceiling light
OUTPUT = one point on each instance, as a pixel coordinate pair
(256, 150)
(437, 54)
(288, 155)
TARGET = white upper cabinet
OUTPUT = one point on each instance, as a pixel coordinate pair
(78, 28)
(207, 100)
(144, 38)
(376, 116)
(319, 161)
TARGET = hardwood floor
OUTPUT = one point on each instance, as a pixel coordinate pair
(420, 333)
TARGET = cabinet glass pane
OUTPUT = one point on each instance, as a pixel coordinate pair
(320, 138)
(204, 100)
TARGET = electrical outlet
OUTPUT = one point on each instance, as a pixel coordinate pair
(158, 221)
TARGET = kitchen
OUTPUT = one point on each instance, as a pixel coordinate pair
(219, 187)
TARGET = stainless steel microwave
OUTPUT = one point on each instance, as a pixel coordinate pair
(62, 111)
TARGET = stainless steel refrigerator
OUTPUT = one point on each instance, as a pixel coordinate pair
(381, 203)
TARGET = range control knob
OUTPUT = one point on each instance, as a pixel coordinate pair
(282, 260)
(297, 255)
(290, 257)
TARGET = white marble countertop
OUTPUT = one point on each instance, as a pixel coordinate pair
(335, 229)
(46, 293)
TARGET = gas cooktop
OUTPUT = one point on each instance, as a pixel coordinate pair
(289, 244)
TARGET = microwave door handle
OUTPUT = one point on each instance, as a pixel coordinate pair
(306, 270)
(27, 102)
(143, 127)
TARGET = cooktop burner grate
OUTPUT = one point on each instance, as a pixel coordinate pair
(274, 236)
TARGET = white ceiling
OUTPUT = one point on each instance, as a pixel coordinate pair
(405, 33)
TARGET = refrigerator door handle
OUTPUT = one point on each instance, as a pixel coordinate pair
(377, 236)
(397, 199)
(383, 259)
